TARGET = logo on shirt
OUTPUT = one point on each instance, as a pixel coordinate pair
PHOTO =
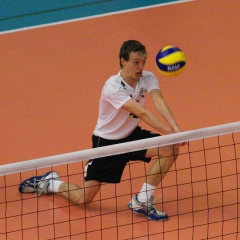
(142, 92)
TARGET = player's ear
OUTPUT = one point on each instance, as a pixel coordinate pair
(123, 61)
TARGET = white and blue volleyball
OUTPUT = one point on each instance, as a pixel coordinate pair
(170, 61)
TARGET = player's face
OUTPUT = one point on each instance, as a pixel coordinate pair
(134, 66)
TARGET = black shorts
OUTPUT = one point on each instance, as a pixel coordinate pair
(109, 169)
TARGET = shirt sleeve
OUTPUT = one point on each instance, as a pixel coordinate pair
(151, 82)
(115, 98)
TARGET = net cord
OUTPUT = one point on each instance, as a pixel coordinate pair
(119, 148)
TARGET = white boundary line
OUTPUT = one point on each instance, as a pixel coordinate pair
(91, 17)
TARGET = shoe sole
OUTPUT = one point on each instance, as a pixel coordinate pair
(143, 214)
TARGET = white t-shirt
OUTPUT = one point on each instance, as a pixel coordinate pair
(113, 121)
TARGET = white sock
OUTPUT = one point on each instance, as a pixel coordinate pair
(54, 185)
(146, 192)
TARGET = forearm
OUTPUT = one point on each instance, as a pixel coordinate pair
(150, 119)
(167, 115)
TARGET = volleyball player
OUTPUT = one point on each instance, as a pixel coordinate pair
(121, 107)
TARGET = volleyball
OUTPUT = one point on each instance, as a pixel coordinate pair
(170, 61)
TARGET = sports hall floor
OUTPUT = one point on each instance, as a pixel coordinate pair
(50, 82)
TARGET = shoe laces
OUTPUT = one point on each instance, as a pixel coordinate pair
(41, 189)
(150, 204)
(33, 183)
(153, 201)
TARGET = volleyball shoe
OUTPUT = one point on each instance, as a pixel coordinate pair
(147, 208)
(38, 184)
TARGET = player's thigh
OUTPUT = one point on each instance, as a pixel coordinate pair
(165, 151)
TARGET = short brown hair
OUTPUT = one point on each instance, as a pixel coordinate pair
(130, 46)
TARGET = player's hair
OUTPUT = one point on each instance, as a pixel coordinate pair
(130, 46)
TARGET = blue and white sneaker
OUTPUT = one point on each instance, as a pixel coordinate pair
(147, 208)
(38, 184)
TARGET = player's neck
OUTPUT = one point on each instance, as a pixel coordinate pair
(132, 82)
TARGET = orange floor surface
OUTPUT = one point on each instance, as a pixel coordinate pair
(50, 83)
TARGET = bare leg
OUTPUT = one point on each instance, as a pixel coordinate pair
(161, 165)
(77, 195)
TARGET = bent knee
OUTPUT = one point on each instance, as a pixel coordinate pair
(172, 151)
(165, 151)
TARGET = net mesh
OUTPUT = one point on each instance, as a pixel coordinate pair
(200, 194)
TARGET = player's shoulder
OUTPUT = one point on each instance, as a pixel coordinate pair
(149, 80)
(113, 84)
(147, 74)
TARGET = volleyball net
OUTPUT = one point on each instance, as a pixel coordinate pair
(200, 193)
